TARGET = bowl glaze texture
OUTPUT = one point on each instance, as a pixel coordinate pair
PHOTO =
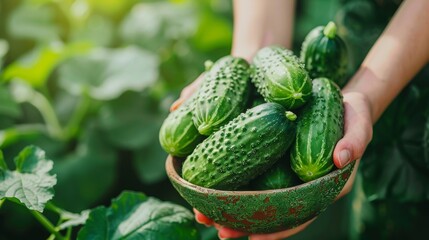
(261, 211)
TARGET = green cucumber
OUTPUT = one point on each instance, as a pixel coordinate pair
(324, 54)
(223, 94)
(178, 136)
(319, 128)
(280, 77)
(278, 176)
(255, 98)
(242, 149)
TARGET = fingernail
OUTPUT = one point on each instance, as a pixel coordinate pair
(219, 235)
(344, 157)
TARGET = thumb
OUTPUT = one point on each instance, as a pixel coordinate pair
(357, 129)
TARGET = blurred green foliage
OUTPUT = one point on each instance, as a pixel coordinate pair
(91, 81)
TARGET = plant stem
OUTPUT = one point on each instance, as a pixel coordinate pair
(47, 224)
(2, 201)
(50, 206)
(78, 116)
(22, 92)
(48, 114)
(69, 232)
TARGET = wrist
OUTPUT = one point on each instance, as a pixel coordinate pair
(364, 82)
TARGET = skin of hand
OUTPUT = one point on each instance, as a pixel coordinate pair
(397, 56)
(358, 133)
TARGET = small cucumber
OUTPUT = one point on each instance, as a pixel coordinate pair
(223, 94)
(280, 77)
(319, 128)
(278, 176)
(324, 54)
(242, 149)
(178, 136)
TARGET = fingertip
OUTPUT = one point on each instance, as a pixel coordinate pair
(224, 232)
(176, 104)
(202, 219)
(342, 154)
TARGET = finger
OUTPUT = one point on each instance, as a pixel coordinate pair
(224, 232)
(184, 95)
(201, 218)
(357, 130)
(282, 234)
(176, 104)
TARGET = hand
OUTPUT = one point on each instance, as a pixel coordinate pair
(357, 135)
(187, 92)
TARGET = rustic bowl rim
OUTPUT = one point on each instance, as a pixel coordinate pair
(172, 162)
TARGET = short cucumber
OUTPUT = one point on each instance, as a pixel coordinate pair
(319, 128)
(178, 136)
(281, 77)
(278, 176)
(242, 149)
(324, 54)
(223, 94)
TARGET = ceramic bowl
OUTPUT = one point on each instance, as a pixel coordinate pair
(261, 211)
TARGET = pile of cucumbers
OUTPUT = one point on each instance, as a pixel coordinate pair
(266, 125)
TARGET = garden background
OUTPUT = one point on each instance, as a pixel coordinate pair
(90, 82)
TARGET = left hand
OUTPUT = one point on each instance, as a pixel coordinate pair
(357, 135)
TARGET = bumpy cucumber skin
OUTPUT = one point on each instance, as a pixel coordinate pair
(223, 94)
(319, 128)
(281, 77)
(324, 56)
(278, 176)
(178, 136)
(241, 150)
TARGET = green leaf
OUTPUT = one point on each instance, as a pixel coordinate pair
(131, 121)
(96, 29)
(213, 33)
(106, 74)
(19, 133)
(111, 8)
(31, 21)
(73, 219)
(393, 166)
(36, 66)
(149, 163)
(8, 106)
(87, 174)
(154, 25)
(30, 183)
(135, 216)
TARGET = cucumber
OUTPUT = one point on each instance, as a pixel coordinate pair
(178, 136)
(242, 149)
(319, 128)
(255, 98)
(223, 94)
(280, 77)
(278, 176)
(324, 54)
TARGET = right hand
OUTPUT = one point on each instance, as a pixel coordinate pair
(187, 92)
(357, 135)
